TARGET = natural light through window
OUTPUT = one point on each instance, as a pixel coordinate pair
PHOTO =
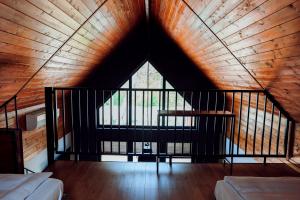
(147, 94)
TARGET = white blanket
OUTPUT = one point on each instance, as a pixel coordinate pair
(256, 188)
(51, 189)
(19, 186)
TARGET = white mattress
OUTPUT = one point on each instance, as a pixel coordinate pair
(51, 189)
(248, 188)
(224, 191)
(30, 186)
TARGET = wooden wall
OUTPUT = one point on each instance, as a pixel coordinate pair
(66, 38)
(264, 126)
(33, 141)
(263, 34)
(62, 41)
(59, 42)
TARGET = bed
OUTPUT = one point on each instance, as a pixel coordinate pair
(30, 187)
(248, 188)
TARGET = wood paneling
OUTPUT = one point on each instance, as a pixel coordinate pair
(67, 38)
(265, 128)
(33, 141)
(262, 34)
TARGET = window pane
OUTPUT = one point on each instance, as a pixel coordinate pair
(145, 104)
(147, 77)
(125, 85)
(113, 108)
(169, 86)
(139, 79)
(155, 79)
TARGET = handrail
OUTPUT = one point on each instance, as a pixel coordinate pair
(7, 101)
(4, 105)
(94, 121)
(277, 104)
(146, 89)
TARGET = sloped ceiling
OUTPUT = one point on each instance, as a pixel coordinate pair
(60, 42)
(262, 39)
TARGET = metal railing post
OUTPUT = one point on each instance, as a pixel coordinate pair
(49, 123)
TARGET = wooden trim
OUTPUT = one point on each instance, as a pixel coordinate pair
(198, 113)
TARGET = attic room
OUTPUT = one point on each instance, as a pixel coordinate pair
(149, 99)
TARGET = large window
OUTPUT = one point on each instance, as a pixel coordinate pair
(139, 100)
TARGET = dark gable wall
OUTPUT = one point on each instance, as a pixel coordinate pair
(129, 55)
(173, 63)
(155, 46)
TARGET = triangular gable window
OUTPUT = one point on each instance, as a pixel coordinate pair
(145, 91)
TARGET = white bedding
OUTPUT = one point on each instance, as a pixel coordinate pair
(51, 189)
(248, 188)
(30, 186)
(224, 191)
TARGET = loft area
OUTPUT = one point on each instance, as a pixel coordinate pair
(128, 99)
(174, 90)
(169, 89)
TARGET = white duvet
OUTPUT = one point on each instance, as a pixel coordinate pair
(19, 186)
(258, 188)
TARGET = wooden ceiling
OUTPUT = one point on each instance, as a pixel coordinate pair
(59, 42)
(247, 44)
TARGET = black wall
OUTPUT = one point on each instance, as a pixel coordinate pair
(129, 55)
(168, 58)
(149, 42)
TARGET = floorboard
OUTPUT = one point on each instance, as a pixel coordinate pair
(137, 181)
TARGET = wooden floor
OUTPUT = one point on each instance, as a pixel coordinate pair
(115, 180)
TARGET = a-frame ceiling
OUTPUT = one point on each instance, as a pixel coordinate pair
(244, 44)
(58, 42)
(62, 41)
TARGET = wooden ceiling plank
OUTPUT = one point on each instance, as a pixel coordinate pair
(69, 10)
(24, 32)
(278, 18)
(21, 19)
(56, 13)
(82, 8)
(222, 11)
(264, 10)
(34, 12)
(277, 43)
(23, 42)
(22, 51)
(211, 7)
(243, 9)
(84, 49)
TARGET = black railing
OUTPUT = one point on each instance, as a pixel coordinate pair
(9, 114)
(229, 123)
